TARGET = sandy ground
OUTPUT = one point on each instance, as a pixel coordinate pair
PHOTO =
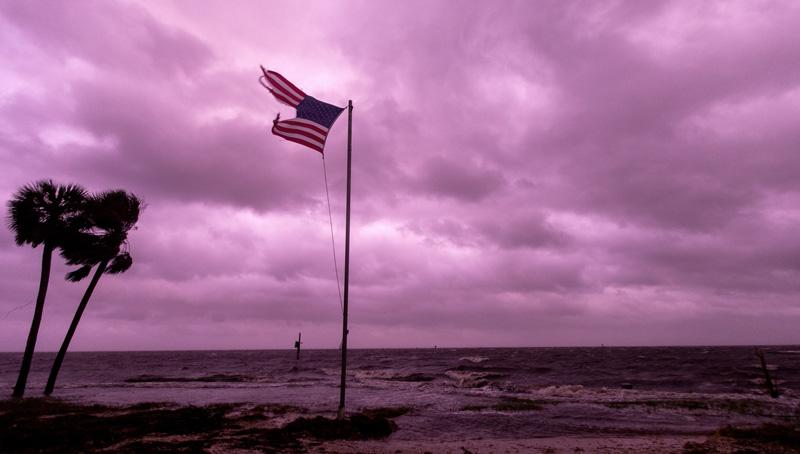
(55, 426)
(637, 444)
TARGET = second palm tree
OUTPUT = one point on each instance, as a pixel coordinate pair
(112, 215)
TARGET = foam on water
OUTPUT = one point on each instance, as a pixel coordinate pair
(474, 359)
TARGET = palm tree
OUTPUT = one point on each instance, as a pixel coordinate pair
(43, 213)
(111, 215)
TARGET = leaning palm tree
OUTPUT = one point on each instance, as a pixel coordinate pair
(43, 213)
(104, 245)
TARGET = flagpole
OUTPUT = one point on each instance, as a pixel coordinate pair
(346, 260)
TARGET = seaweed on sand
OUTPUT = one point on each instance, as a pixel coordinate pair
(766, 438)
(54, 426)
(385, 412)
(44, 425)
(294, 436)
(786, 435)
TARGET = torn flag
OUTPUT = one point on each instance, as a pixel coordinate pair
(314, 117)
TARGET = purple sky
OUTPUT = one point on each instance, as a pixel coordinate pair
(524, 173)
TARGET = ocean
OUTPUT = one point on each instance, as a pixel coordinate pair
(455, 393)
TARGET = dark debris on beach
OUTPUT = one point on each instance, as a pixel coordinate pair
(54, 426)
(767, 438)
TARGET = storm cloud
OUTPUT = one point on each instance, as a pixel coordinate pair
(524, 173)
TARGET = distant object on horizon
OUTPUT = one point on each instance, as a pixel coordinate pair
(297, 345)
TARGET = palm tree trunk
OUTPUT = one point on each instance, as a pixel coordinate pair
(51, 380)
(27, 357)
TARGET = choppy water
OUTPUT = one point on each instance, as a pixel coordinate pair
(583, 391)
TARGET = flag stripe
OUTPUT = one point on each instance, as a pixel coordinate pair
(283, 129)
(309, 142)
(302, 140)
(277, 88)
(308, 124)
(298, 92)
(293, 99)
(284, 99)
(282, 85)
(286, 126)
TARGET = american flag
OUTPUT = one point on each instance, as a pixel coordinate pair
(314, 117)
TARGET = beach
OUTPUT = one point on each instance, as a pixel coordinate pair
(634, 444)
(55, 426)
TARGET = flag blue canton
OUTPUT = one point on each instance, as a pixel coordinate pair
(319, 112)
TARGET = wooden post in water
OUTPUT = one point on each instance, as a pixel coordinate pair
(340, 414)
(297, 345)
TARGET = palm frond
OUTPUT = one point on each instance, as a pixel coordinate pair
(115, 210)
(82, 248)
(42, 211)
(78, 274)
(86, 229)
(100, 233)
(120, 263)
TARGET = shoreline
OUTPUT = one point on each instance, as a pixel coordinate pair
(633, 444)
(53, 425)
(438, 347)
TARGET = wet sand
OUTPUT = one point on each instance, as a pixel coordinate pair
(577, 444)
(57, 426)
(775, 439)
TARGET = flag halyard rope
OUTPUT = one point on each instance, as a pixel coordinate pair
(333, 242)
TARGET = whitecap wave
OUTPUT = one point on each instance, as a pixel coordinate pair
(470, 379)
(474, 359)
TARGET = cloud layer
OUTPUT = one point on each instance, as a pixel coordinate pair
(531, 173)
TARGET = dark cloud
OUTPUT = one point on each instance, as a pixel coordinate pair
(115, 36)
(458, 180)
(523, 174)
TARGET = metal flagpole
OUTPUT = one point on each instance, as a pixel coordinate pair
(346, 260)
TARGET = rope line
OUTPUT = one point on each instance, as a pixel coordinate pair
(333, 242)
(16, 309)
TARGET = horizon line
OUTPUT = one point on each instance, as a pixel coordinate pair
(437, 347)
